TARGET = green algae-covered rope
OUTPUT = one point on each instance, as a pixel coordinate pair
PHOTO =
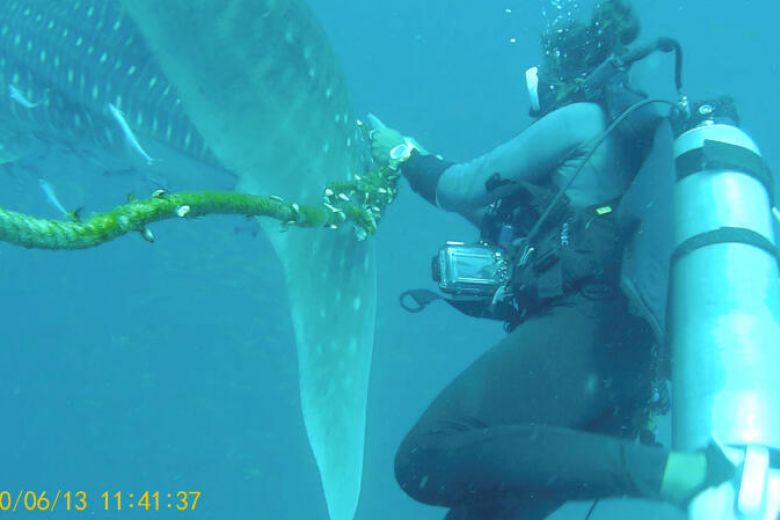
(360, 201)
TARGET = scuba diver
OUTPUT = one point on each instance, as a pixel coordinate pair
(551, 413)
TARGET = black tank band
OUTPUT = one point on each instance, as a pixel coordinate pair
(725, 235)
(717, 155)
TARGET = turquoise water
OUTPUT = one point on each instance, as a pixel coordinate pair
(132, 367)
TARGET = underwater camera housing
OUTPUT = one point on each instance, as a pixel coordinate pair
(470, 269)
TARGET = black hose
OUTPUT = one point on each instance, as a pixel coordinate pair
(607, 70)
(662, 44)
(669, 45)
(592, 507)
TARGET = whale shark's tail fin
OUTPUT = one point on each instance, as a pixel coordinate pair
(263, 89)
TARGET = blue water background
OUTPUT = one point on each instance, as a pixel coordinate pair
(166, 367)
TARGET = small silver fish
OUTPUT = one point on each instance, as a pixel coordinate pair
(20, 98)
(51, 196)
(132, 140)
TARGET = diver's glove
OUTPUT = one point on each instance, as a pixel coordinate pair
(689, 474)
(390, 148)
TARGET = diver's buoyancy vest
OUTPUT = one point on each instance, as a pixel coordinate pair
(576, 249)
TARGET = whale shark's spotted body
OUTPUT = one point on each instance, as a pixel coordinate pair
(76, 59)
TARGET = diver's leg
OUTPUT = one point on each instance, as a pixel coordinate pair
(540, 149)
(530, 507)
(507, 426)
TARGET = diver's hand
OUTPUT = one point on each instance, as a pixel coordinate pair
(383, 140)
(391, 149)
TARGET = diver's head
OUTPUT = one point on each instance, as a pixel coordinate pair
(573, 50)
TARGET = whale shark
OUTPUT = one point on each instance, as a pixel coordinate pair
(240, 93)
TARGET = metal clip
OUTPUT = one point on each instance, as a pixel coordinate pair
(526, 256)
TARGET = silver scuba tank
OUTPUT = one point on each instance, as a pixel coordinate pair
(724, 310)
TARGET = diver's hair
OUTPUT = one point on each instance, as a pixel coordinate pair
(573, 50)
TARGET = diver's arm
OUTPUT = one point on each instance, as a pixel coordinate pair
(531, 156)
(423, 172)
(467, 188)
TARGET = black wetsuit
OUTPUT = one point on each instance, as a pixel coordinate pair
(507, 438)
(549, 413)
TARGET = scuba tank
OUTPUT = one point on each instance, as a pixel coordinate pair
(724, 308)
